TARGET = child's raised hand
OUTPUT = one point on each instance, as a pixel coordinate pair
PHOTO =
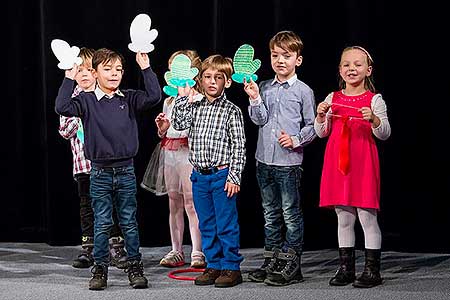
(163, 123)
(142, 60)
(251, 88)
(322, 108)
(184, 91)
(72, 72)
(285, 140)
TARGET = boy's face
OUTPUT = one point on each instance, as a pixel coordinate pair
(84, 78)
(284, 62)
(213, 83)
(109, 75)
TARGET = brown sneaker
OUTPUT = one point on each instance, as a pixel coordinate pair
(208, 277)
(228, 278)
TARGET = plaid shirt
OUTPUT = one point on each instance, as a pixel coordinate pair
(68, 128)
(216, 135)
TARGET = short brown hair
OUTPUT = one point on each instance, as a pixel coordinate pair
(219, 63)
(104, 56)
(287, 40)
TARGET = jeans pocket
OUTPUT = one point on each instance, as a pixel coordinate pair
(95, 172)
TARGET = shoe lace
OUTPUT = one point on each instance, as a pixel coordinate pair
(174, 254)
(98, 272)
(135, 269)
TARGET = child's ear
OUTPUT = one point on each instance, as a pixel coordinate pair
(228, 83)
(94, 73)
(299, 61)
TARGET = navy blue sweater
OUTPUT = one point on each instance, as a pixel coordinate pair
(110, 127)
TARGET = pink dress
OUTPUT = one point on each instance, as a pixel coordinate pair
(355, 182)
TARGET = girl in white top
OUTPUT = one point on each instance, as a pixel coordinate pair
(172, 153)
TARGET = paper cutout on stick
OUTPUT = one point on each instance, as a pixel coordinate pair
(181, 72)
(141, 35)
(66, 55)
(244, 65)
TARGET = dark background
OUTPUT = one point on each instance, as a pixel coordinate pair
(39, 202)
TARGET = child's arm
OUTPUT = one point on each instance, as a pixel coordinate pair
(322, 123)
(378, 117)
(308, 112)
(237, 143)
(143, 100)
(257, 110)
(68, 127)
(182, 110)
(163, 124)
(65, 105)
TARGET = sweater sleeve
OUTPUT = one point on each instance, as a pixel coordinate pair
(378, 106)
(151, 96)
(65, 105)
(323, 129)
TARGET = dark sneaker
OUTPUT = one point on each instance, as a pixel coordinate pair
(259, 275)
(99, 277)
(286, 270)
(136, 276)
(228, 278)
(208, 277)
(85, 258)
(118, 255)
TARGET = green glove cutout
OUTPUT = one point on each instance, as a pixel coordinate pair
(170, 89)
(244, 65)
(80, 132)
(181, 72)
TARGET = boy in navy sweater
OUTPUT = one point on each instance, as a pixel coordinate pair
(111, 141)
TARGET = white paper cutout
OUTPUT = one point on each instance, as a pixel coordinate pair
(141, 35)
(66, 55)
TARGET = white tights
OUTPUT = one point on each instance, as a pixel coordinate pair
(346, 226)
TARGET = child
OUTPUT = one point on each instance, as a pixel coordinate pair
(177, 170)
(111, 141)
(284, 110)
(351, 174)
(217, 152)
(69, 127)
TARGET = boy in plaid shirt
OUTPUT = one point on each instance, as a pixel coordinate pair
(217, 153)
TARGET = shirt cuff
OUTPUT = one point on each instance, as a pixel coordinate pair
(295, 141)
(255, 102)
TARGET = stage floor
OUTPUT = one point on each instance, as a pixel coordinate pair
(40, 271)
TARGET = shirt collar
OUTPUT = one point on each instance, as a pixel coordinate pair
(221, 97)
(100, 94)
(290, 81)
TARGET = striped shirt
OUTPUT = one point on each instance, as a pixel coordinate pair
(216, 135)
(68, 127)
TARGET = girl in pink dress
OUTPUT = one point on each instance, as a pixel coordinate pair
(350, 180)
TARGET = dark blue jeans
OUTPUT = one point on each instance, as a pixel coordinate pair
(114, 186)
(218, 220)
(279, 187)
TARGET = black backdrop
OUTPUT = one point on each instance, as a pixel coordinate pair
(39, 200)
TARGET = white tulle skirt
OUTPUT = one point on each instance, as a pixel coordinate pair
(168, 169)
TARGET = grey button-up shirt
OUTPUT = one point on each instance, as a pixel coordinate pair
(288, 106)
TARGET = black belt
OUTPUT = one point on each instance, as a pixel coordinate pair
(209, 171)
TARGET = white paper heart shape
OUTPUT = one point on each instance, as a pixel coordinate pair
(66, 55)
(141, 35)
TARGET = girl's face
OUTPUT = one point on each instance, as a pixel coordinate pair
(84, 78)
(354, 67)
(109, 76)
(284, 62)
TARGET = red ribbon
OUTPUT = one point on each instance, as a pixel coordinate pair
(344, 147)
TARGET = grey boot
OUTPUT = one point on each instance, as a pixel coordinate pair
(346, 272)
(370, 277)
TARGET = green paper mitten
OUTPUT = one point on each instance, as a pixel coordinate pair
(244, 65)
(181, 71)
(170, 89)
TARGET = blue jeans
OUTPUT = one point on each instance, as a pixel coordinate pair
(218, 220)
(114, 185)
(279, 187)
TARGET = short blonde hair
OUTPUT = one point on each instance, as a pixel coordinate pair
(86, 55)
(288, 41)
(219, 63)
